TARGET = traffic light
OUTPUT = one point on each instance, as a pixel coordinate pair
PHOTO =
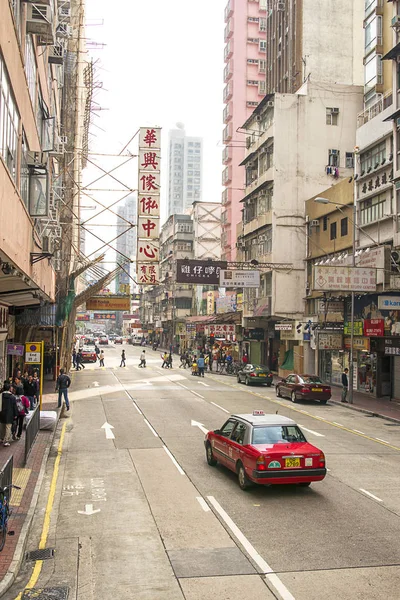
(212, 339)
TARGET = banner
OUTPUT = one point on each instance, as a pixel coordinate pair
(374, 327)
(210, 303)
(344, 279)
(239, 279)
(109, 303)
(105, 316)
(202, 272)
(330, 341)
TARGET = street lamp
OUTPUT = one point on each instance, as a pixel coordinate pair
(321, 200)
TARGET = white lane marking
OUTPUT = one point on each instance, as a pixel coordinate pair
(335, 423)
(251, 551)
(199, 395)
(271, 577)
(178, 466)
(218, 406)
(358, 431)
(202, 383)
(311, 431)
(153, 431)
(381, 440)
(107, 428)
(134, 403)
(371, 495)
(328, 470)
(89, 510)
(199, 425)
(203, 504)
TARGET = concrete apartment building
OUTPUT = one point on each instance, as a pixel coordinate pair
(126, 243)
(244, 78)
(185, 160)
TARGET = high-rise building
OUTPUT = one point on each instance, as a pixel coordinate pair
(126, 242)
(244, 77)
(185, 156)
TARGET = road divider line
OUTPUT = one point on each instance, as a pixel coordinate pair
(203, 504)
(370, 495)
(358, 431)
(218, 406)
(134, 403)
(172, 457)
(335, 423)
(202, 383)
(384, 441)
(311, 431)
(264, 567)
(153, 431)
(196, 394)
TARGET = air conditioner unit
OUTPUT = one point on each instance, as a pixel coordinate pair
(46, 244)
(314, 223)
(396, 21)
(270, 104)
(64, 13)
(39, 19)
(56, 54)
(63, 30)
(58, 148)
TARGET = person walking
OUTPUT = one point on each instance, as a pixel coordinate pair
(101, 357)
(8, 414)
(201, 365)
(62, 384)
(23, 406)
(74, 357)
(30, 391)
(143, 359)
(183, 361)
(165, 360)
(169, 361)
(80, 357)
(123, 358)
(345, 385)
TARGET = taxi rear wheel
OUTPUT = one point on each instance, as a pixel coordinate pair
(244, 481)
(210, 456)
(293, 397)
(247, 381)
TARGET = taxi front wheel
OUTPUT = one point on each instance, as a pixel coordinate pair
(210, 456)
(244, 481)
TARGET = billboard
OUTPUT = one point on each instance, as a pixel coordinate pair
(109, 303)
(201, 272)
(105, 316)
(82, 317)
(344, 279)
(239, 279)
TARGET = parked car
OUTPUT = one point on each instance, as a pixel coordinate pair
(119, 340)
(304, 387)
(103, 340)
(265, 449)
(89, 354)
(257, 374)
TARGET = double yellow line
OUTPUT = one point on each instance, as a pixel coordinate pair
(47, 515)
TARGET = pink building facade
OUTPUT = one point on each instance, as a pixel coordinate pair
(245, 87)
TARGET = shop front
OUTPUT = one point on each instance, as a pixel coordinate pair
(255, 345)
(332, 358)
(390, 348)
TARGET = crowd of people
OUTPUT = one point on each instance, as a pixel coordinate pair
(20, 394)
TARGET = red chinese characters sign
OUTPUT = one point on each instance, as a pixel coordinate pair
(221, 331)
(149, 178)
(374, 327)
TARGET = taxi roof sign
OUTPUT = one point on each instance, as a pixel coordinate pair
(258, 413)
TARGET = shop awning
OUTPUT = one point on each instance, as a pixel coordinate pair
(393, 53)
(288, 363)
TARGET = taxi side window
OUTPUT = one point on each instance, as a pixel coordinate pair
(228, 428)
(239, 433)
(290, 379)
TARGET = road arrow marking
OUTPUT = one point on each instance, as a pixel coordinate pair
(199, 425)
(202, 383)
(109, 434)
(89, 510)
(96, 384)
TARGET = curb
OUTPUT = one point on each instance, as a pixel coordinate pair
(364, 410)
(15, 565)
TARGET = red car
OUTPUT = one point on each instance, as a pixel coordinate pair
(265, 449)
(304, 387)
(88, 355)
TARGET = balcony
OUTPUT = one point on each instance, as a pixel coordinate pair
(226, 155)
(227, 114)
(228, 12)
(227, 133)
(228, 91)
(227, 175)
(228, 31)
(228, 71)
(226, 197)
(228, 50)
(375, 109)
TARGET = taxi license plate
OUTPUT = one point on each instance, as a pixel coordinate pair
(262, 375)
(316, 389)
(292, 462)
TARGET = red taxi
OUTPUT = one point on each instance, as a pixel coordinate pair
(88, 354)
(265, 449)
(304, 387)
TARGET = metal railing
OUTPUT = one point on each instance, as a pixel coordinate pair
(6, 474)
(32, 429)
(372, 111)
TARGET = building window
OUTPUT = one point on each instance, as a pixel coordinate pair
(344, 227)
(262, 46)
(30, 68)
(373, 32)
(24, 175)
(9, 122)
(349, 160)
(373, 158)
(262, 66)
(263, 24)
(372, 209)
(332, 116)
(334, 158)
(333, 231)
(325, 223)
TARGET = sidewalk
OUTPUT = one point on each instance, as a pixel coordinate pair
(23, 502)
(378, 407)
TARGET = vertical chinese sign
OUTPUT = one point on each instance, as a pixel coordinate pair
(148, 222)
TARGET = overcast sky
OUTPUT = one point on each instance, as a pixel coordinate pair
(162, 63)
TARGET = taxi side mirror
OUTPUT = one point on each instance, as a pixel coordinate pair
(217, 431)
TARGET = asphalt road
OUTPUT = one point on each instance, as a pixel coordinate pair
(138, 513)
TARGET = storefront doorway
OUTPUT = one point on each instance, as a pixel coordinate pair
(332, 364)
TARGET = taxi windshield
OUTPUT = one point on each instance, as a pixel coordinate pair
(277, 434)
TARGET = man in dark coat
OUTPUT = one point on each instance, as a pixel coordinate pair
(8, 413)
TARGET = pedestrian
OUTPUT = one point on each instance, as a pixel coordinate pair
(201, 365)
(195, 369)
(169, 361)
(62, 384)
(16, 369)
(345, 385)
(101, 356)
(143, 359)
(8, 414)
(97, 350)
(80, 357)
(23, 409)
(30, 391)
(123, 357)
(74, 357)
(165, 360)
(183, 361)
(245, 358)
